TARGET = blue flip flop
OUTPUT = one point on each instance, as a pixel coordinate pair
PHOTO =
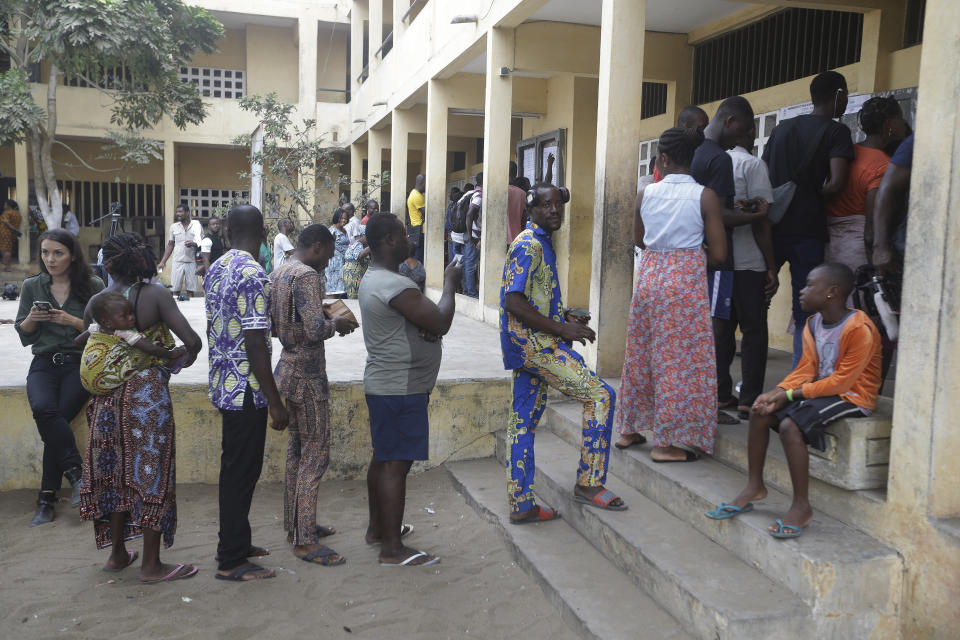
(786, 530)
(726, 511)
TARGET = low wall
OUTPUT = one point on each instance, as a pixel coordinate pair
(464, 414)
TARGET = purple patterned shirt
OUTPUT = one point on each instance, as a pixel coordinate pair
(237, 299)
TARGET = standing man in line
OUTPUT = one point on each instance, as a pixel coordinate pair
(415, 210)
(516, 203)
(713, 168)
(241, 385)
(536, 335)
(211, 247)
(353, 226)
(70, 222)
(282, 247)
(401, 330)
(185, 237)
(296, 310)
(471, 241)
(814, 152)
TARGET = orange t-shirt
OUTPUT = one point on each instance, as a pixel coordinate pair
(866, 173)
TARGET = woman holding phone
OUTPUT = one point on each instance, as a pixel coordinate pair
(50, 317)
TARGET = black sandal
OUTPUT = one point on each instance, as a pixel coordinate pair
(323, 553)
(237, 574)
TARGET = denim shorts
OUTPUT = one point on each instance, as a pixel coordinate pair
(399, 427)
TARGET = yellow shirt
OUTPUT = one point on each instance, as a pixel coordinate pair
(414, 205)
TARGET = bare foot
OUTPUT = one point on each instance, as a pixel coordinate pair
(163, 572)
(403, 554)
(749, 494)
(590, 492)
(798, 517)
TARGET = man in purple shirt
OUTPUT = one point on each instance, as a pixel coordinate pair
(241, 385)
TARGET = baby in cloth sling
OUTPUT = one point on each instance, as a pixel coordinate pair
(115, 350)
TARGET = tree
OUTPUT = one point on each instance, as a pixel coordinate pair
(129, 50)
(298, 164)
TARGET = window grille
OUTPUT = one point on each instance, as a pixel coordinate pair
(653, 101)
(142, 203)
(648, 151)
(215, 83)
(532, 155)
(791, 44)
(913, 30)
(106, 77)
(204, 202)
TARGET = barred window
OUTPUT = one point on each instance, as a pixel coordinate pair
(653, 100)
(215, 83)
(789, 45)
(205, 201)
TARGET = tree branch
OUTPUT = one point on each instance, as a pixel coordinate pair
(81, 160)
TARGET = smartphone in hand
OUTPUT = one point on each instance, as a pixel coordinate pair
(42, 305)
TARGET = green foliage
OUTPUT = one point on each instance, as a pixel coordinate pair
(298, 164)
(18, 112)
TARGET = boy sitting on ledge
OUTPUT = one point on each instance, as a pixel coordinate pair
(838, 376)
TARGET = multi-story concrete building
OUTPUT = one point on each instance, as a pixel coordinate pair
(451, 87)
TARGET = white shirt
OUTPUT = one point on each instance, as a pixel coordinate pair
(70, 223)
(180, 235)
(750, 180)
(281, 244)
(353, 229)
(671, 214)
(206, 245)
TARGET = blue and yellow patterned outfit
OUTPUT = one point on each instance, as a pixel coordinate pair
(541, 359)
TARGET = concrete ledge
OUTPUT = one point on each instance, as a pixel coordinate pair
(458, 431)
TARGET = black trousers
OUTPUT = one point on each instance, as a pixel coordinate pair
(244, 435)
(749, 311)
(56, 397)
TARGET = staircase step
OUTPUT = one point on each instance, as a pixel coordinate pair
(707, 588)
(852, 580)
(595, 599)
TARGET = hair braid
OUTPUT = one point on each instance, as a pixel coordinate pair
(680, 144)
(128, 256)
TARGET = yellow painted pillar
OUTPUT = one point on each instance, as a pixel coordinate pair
(882, 30)
(496, 163)
(171, 196)
(618, 131)
(924, 475)
(438, 102)
(399, 143)
(377, 140)
(356, 171)
(22, 173)
(307, 65)
(358, 15)
(375, 8)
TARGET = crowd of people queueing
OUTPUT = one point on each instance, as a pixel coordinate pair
(705, 219)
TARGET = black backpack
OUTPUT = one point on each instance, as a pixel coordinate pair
(458, 221)
(10, 291)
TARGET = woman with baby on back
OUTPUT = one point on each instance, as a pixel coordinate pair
(129, 473)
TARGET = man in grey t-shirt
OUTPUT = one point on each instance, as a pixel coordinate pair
(401, 330)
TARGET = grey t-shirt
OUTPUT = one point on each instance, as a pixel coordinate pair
(399, 361)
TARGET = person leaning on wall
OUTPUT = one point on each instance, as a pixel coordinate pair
(50, 317)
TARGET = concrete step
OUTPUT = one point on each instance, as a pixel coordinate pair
(595, 599)
(713, 594)
(852, 581)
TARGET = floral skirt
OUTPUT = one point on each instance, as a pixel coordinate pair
(334, 273)
(669, 382)
(353, 271)
(130, 466)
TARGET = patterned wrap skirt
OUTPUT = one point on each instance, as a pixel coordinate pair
(353, 271)
(129, 466)
(669, 382)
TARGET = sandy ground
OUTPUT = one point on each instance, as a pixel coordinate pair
(53, 586)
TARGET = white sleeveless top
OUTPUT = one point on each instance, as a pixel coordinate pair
(671, 214)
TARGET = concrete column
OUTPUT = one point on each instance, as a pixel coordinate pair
(375, 9)
(438, 101)
(377, 140)
(22, 173)
(618, 131)
(358, 15)
(171, 196)
(496, 160)
(882, 27)
(307, 65)
(924, 475)
(356, 171)
(399, 141)
(399, 26)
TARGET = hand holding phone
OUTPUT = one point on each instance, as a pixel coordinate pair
(42, 305)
